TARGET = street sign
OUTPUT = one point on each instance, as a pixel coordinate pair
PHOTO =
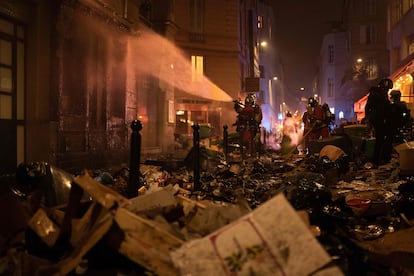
(252, 84)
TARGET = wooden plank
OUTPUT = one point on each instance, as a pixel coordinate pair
(44, 227)
(104, 195)
(145, 243)
(82, 225)
(86, 242)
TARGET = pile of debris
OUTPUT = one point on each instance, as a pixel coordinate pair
(291, 215)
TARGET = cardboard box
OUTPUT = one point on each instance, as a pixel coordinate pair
(271, 240)
(406, 154)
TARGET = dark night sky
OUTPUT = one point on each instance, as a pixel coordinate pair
(300, 26)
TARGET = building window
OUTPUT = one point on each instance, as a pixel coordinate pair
(398, 10)
(371, 7)
(12, 93)
(331, 54)
(145, 10)
(371, 68)
(368, 34)
(260, 22)
(262, 71)
(331, 88)
(197, 65)
(197, 16)
(363, 34)
(395, 56)
(371, 34)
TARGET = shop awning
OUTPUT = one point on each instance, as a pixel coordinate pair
(407, 67)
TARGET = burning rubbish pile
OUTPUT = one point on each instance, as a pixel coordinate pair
(296, 215)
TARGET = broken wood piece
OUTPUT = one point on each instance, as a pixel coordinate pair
(88, 240)
(145, 243)
(82, 225)
(104, 195)
(153, 201)
(44, 227)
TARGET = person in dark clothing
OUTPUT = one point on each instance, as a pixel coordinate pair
(376, 110)
(328, 119)
(400, 118)
(307, 126)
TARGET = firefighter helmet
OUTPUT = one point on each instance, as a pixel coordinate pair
(386, 84)
(250, 100)
(312, 102)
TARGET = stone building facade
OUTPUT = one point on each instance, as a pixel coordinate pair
(74, 74)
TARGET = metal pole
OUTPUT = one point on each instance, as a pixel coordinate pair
(225, 141)
(196, 147)
(134, 173)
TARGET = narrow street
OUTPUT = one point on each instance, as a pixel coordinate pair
(359, 218)
(206, 137)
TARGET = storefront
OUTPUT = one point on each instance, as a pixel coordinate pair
(403, 81)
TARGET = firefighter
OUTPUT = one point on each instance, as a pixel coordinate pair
(307, 120)
(328, 120)
(319, 128)
(248, 123)
(377, 111)
(399, 116)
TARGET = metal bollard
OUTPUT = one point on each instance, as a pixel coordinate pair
(196, 147)
(225, 141)
(134, 173)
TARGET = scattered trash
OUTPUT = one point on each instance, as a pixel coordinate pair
(296, 214)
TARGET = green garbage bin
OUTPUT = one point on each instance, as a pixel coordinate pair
(205, 131)
(369, 148)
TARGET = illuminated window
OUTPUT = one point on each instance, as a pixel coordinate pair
(341, 114)
(197, 65)
(260, 22)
